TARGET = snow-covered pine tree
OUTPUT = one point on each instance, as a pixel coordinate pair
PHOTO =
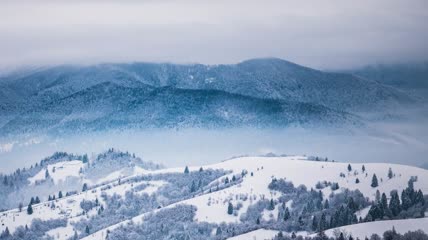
(374, 181)
(390, 173)
(29, 209)
(394, 203)
(230, 208)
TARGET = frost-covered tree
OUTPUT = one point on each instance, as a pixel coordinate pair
(29, 209)
(230, 208)
(286, 214)
(271, 205)
(390, 173)
(193, 187)
(218, 231)
(394, 203)
(349, 168)
(374, 181)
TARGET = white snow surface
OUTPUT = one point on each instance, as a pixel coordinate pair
(362, 230)
(259, 234)
(59, 171)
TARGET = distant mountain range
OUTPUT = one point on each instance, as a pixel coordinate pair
(258, 92)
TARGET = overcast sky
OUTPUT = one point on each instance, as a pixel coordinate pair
(321, 34)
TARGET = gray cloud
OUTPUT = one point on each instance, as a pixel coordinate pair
(337, 34)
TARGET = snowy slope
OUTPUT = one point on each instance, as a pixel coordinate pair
(69, 207)
(59, 171)
(259, 234)
(356, 230)
(299, 171)
(211, 207)
(366, 229)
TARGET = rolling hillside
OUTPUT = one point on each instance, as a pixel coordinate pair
(249, 184)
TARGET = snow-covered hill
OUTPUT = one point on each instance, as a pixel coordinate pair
(244, 183)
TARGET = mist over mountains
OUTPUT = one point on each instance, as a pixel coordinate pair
(259, 92)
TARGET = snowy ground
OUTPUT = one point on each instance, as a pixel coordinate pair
(59, 172)
(360, 230)
(260, 234)
(379, 227)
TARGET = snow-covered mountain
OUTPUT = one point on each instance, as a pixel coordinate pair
(240, 198)
(258, 92)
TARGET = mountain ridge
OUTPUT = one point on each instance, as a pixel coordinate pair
(273, 81)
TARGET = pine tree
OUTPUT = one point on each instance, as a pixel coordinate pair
(352, 205)
(75, 237)
(29, 209)
(87, 230)
(341, 237)
(374, 181)
(230, 209)
(201, 169)
(314, 223)
(349, 168)
(37, 200)
(20, 206)
(390, 174)
(271, 205)
(5, 180)
(384, 201)
(233, 178)
(286, 214)
(226, 180)
(85, 187)
(323, 223)
(60, 194)
(5, 234)
(32, 200)
(326, 204)
(394, 203)
(47, 174)
(258, 221)
(363, 168)
(193, 187)
(377, 199)
(357, 181)
(419, 198)
(186, 170)
(218, 231)
(406, 200)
